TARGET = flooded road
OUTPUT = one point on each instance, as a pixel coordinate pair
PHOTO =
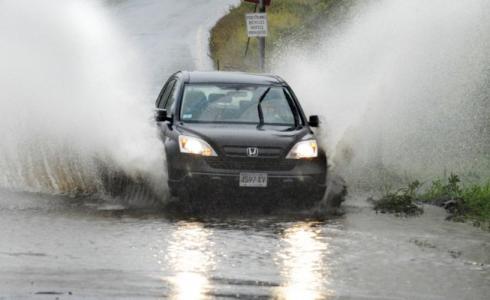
(69, 248)
(53, 247)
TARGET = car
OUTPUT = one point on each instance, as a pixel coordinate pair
(235, 133)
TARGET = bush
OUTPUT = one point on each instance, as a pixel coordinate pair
(477, 201)
(471, 202)
(401, 202)
(440, 192)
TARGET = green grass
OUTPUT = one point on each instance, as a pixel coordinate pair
(463, 201)
(473, 200)
(477, 201)
(289, 21)
(440, 191)
(401, 202)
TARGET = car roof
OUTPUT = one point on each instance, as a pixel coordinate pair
(231, 77)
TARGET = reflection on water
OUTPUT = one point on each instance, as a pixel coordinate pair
(190, 255)
(302, 259)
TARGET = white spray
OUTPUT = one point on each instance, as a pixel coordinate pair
(403, 85)
(71, 99)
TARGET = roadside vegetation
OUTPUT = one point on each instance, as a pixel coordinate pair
(401, 202)
(464, 202)
(290, 21)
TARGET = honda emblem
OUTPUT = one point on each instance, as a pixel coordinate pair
(252, 152)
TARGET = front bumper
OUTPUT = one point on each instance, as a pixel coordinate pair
(200, 173)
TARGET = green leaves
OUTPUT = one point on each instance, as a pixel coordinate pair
(462, 202)
(401, 202)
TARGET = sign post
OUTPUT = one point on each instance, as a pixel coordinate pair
(257, 27)
(262, 38)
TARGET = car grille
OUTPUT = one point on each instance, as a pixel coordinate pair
(251, 164)
(263, 152)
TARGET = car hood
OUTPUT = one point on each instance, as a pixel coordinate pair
(221, 136)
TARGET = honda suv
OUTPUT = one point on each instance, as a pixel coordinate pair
(233, 132)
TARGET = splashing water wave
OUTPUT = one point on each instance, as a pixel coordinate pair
(72, 101)
(404, 86)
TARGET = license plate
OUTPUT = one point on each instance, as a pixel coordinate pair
(253, 179)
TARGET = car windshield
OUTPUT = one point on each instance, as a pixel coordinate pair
(232, 103)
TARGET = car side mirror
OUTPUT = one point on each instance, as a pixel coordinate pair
(161, 115)
(314, 121)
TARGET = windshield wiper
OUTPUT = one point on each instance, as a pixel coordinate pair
(259, 107)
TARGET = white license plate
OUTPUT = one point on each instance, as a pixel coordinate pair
(253, 179)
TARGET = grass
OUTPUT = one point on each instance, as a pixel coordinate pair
(401, 202)
(471, 201)
(289, 21)
(462, 201)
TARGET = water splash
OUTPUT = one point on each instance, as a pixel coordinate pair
(71, 100)
(404, 87)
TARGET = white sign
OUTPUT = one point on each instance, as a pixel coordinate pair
(256, 24)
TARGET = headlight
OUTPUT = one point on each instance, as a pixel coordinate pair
(193, 145)
(304, 149)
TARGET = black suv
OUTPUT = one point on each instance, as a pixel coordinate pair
(236, 132)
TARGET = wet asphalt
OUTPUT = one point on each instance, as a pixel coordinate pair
(55, 247)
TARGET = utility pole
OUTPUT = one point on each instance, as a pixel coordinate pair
(262, 40)
(257, 26)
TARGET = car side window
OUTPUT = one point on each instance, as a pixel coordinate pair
(171, 96)
(166, 93)
(159, 103)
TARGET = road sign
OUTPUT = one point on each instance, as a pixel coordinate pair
(257, 24)
(266, 2)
